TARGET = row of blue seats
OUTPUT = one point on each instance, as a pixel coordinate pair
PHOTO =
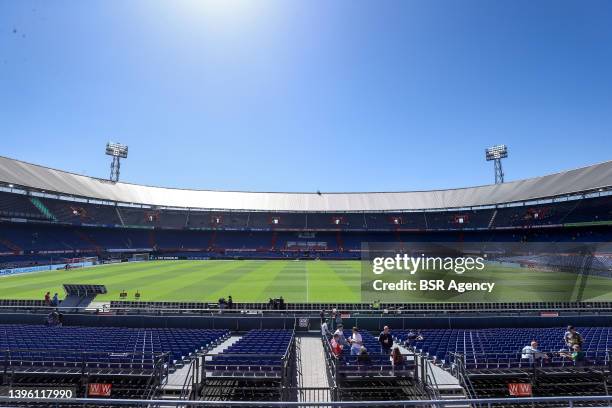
(257, 353)
(179, 343)
(480, 344)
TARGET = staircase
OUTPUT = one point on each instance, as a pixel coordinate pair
(179, 383)
(492, 219)
(152, 243)
(211, 242)
(43, 209)
(339, 241)
(119, 216)
(16, 250)
(274, 238)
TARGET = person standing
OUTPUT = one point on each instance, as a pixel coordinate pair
(572, 337)
(338, 318)
(340, 332)
(386, 341)
(356, 342)
(324, 329)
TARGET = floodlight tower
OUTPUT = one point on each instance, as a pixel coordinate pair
(117, 151)
(495, 154)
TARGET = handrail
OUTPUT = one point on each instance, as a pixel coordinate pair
(191, 373)
(567, 400)
(429, 376)
(314, 311)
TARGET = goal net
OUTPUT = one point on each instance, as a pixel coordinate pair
(140, 257)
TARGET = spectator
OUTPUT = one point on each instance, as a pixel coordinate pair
(532, 353)
(55, 301)
(338, 318)
(53, 319)
(230, 302)
(411, 337)
(386, 341)
(48, 299)
(322, 316)
(576, 355)
(340, 332)
(363, 357)
(572, 337)
(397, 359)
(222, 304)
(336, 346)
(356, 342)
(324, 328)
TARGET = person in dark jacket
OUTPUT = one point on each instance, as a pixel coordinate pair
(386, 340)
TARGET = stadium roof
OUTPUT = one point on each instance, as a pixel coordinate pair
(31, 176)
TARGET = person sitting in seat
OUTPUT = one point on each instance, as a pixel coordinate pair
(356, 342)
(412, 337)
(363, 357)
(576, 355)
(336, 346)
(397, 359)
(532, 353)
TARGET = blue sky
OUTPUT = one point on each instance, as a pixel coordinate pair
(307, 95)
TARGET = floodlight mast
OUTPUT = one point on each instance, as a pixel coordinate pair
(495, 154)
(117, 151)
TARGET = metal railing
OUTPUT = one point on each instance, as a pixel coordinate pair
(515, 360)
(137, 306)
(569, 402)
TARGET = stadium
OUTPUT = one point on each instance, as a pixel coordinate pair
(177, 297)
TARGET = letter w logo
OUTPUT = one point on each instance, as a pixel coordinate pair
(519, 389)
(99, 390)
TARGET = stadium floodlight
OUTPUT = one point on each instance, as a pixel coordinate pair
(117, 151)
(495, 154)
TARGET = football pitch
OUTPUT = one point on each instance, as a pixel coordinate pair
(295, 281)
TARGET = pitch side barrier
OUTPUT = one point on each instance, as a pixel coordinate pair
(569, 402)
(307, 313)
(310, 308)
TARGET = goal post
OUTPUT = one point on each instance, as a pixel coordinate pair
(140, 257)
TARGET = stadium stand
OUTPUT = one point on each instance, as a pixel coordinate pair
(259, 353)
(379, 364)
(54, 216)
(501, 348)
(135, 362)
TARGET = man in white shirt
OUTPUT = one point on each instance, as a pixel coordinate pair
(532, 353)
(356, 342)
(324, 328)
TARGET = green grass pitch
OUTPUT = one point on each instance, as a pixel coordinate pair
(296, 281)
